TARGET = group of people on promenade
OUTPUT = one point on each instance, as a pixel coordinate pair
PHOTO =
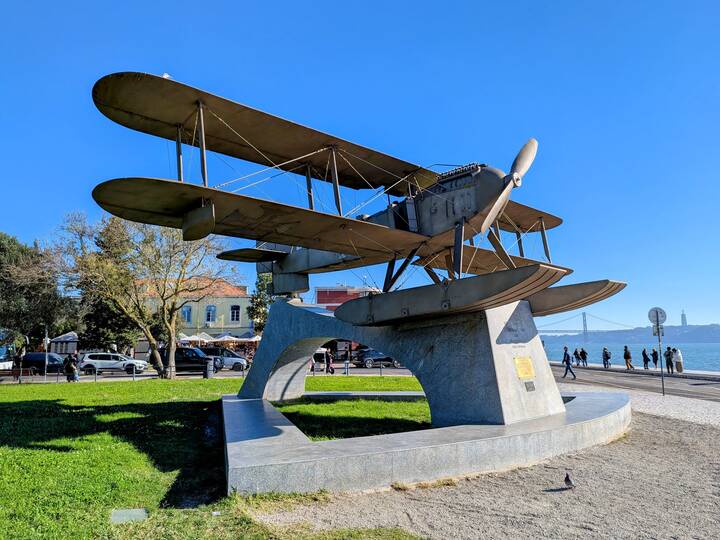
(673, 359)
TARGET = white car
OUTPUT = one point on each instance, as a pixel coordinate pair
(92, 362)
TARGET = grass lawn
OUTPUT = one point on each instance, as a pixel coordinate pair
(71, 453)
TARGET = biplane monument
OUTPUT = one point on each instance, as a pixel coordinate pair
(468, 336)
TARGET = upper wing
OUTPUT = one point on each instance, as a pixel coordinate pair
(156, 105)
(165, 202)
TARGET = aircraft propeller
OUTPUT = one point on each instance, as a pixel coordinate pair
(519, 167)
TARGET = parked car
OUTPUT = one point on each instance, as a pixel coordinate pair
(35, 362)
(230, 359)
(370, 358)
(100, 362)
(190, 359)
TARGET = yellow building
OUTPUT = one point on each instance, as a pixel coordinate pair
(222, 310)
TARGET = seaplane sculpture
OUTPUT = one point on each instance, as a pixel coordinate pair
(434, 225)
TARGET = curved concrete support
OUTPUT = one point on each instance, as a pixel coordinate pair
(478, 368)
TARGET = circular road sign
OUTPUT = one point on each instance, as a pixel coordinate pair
(657, 315)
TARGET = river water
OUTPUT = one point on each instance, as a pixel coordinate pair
(700, 356)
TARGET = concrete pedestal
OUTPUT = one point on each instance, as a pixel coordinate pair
(477, 368)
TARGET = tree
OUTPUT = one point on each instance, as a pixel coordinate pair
(260, 302)
(144, 272)
(104, 326)
(30, 296)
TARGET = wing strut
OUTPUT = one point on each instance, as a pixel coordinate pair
(544, 239)
(500, 250)
(458, 248)
(203, 157)
(388, 284)
(335, 181)
(178, 152)
(308, 182)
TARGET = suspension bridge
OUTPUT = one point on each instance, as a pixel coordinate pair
(545, 329)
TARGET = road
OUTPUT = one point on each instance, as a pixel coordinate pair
(692, 388)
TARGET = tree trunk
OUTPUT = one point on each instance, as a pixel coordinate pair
(170, 348)
(155, 358)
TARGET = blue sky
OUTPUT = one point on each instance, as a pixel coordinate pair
(623, 98)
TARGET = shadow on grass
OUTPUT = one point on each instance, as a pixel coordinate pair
(184, 436)
(334, 425)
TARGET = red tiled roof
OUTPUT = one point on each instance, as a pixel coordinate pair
(221, 288)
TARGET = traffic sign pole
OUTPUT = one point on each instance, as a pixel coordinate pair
(658, 316)
(660, 351)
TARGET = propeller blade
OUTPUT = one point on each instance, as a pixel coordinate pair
(524, 159)
(520, 166)
(497, 207)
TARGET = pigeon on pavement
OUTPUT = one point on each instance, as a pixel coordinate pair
(569, 482)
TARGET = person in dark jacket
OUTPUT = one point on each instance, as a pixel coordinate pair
(646, 359)
(568, 364)
(576, 355)
(583, 357)
(328, 363)
(628, 358)
(606, 358)
(655, 356)
(669, 360)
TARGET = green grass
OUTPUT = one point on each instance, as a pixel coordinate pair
(71, 453)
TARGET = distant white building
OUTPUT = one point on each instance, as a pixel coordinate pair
(65, 344)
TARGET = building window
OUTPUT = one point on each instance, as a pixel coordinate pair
(210, 314)
(235, 313)
(186, 314)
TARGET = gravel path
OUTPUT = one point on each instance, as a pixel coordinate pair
(660, 481)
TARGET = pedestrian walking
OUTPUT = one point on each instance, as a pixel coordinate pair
(628, 358)
(568, 364)
(70, 369)
(669, 360)
(646, 359)
(654, 355)
(328, 363)
(583, 357)
(576, 355)
(606, 358)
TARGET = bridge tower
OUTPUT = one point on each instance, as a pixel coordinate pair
(585, 335)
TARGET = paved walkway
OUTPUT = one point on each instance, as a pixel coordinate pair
(674, 386)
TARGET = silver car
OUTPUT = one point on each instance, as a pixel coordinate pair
(92, 362)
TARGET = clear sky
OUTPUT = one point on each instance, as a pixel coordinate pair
(623, 98)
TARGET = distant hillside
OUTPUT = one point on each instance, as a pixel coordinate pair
(696, 333)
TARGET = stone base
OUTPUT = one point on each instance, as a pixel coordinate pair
(265, 452)
(484, 367)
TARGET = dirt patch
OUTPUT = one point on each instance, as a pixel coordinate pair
(660, 481)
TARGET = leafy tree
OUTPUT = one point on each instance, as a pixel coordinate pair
(30, 297)
(145, 272)
(103, 326)
(260, 301)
